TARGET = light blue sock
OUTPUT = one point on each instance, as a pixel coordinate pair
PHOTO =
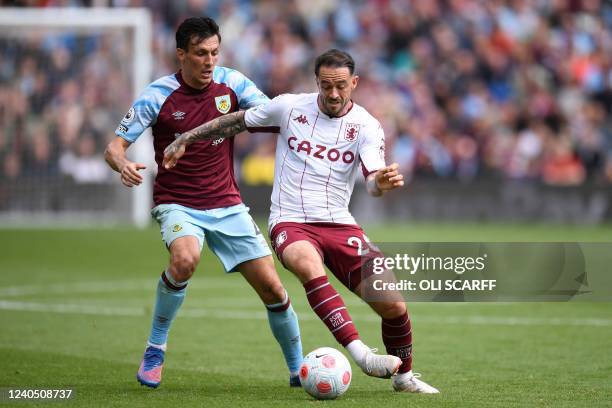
(284, 324)
(170, 296)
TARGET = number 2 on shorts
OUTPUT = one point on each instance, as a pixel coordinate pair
(359, 244)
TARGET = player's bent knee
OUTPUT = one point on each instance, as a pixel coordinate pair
(303, 260)
(306, 265)
(391, 310)
(274, 293)
(183, 265)
(306, 269)
(273, 290)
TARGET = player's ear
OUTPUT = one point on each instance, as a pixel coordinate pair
(180, 54)
(355, 81)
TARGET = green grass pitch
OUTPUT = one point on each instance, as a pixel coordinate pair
(75, 311)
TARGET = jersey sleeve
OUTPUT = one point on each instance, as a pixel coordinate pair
(246, 91)
(266, 118)
(140, 116)
(144, 111)
(372, 150)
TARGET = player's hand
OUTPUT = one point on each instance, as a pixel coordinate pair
(130, 175)
(173, 152)
(388, 178)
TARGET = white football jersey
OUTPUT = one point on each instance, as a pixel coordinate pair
(317, 157)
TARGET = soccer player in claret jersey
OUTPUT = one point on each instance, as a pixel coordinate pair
(199, 199)
(325, 140)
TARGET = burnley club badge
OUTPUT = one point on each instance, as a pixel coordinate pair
(224, 103)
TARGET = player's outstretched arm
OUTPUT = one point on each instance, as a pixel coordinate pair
(116, 159)
(385, 179)
(223, 126)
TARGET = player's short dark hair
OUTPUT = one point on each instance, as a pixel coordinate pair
(196, 27)
(336, 59)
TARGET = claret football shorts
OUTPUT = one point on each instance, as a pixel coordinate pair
(229, 232)
(344, 249)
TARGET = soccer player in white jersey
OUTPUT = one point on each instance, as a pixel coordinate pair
(325, 140)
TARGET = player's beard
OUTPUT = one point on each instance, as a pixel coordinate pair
(337, 108)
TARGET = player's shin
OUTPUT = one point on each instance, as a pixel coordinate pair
(397, 336)
(170, 296)
(330, 308)
(286, 329)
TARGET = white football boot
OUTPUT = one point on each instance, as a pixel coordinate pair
(409, 382)
(377, 365)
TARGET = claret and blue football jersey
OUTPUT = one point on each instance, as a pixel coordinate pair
(204, 177)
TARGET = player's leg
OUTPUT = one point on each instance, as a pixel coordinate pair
(235, 238)
(397, 336)
(396, 329)
(303, 260)
(298, 252)
(184, 242)
(171, 288)
(261, 274)
(396, 332)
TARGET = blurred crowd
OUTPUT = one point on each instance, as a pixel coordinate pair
(61, 96)
(510, 89)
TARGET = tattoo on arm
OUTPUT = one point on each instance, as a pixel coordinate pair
(223, 126)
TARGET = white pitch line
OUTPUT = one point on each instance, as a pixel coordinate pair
(104, 286)
(129, 285)
(63, 308)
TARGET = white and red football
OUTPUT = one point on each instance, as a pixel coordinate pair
(325, 373)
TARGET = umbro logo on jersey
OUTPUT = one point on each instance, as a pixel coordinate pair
(302, 119)
(178, 115)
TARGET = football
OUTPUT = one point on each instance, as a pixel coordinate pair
(325, 373)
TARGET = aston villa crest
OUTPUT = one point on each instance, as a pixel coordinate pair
(281, 238)
(224, 103)
(352, 132)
